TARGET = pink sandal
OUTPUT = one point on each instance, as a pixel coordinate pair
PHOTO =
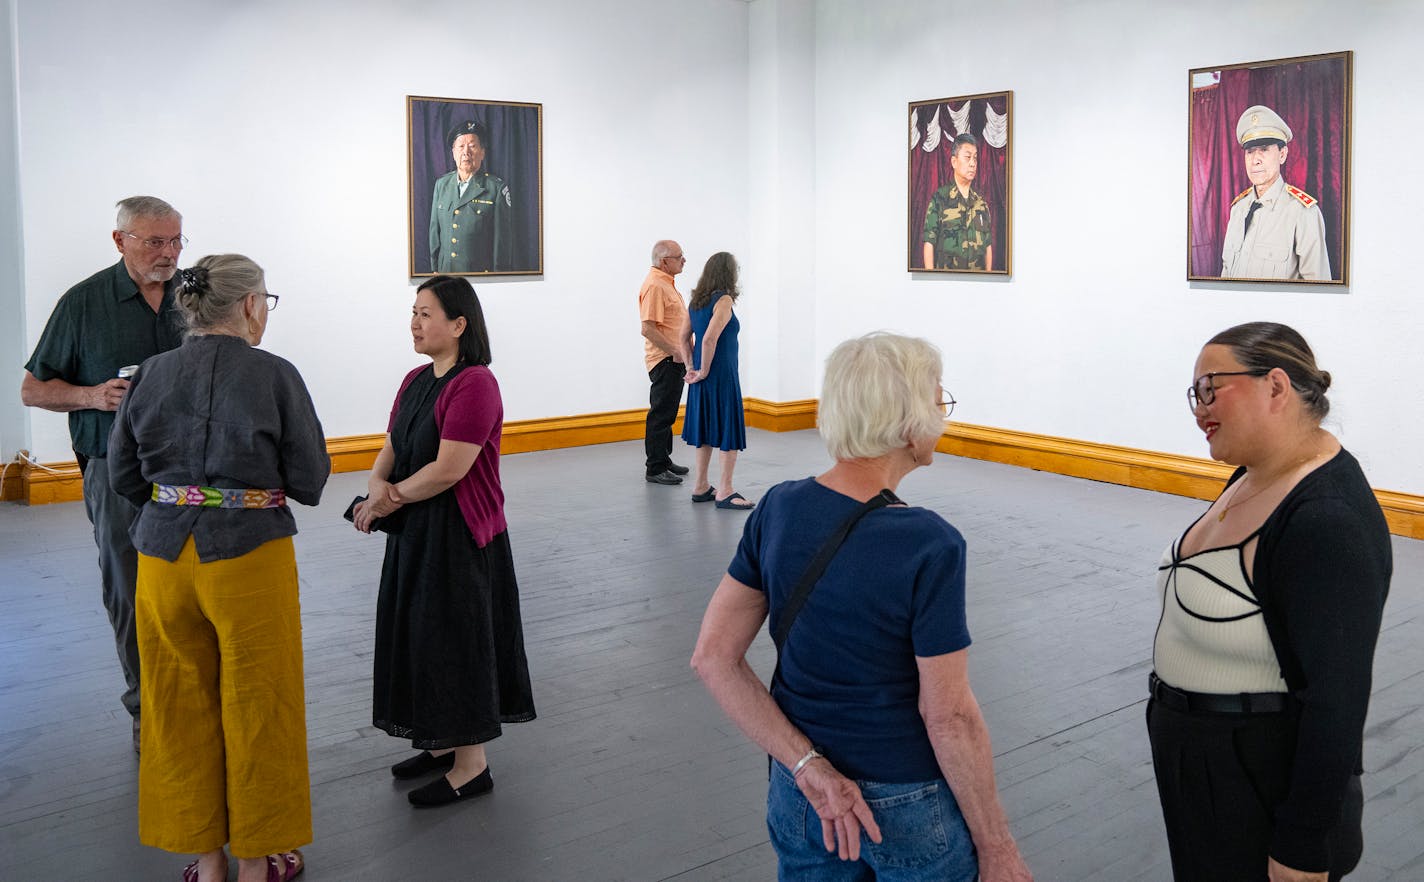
(285, 866)
(190, 872)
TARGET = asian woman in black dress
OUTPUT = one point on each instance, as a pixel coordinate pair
(450, 666)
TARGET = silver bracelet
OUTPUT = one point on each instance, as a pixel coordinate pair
(811, 754)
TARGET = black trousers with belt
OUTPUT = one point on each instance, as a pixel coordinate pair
(663, 399)
(1220, 777)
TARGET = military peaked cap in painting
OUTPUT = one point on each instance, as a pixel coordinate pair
(1260, 125)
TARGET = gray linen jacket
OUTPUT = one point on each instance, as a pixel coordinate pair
(218, 413)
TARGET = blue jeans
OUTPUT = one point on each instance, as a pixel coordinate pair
(923, 835)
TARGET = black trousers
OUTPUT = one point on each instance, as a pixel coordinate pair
(1220, 777)
(663, 399)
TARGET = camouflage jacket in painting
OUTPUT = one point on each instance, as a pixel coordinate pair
(959, 228)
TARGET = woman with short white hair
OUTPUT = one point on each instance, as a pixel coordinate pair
(869, 722)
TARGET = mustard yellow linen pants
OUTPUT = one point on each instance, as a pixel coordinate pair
(224, 757)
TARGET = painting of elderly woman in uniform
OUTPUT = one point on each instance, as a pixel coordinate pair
(475, 187)
(1268, 171)
(959, 184)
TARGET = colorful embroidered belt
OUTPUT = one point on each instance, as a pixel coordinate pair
(217, 497)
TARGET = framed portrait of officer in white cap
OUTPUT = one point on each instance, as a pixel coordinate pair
(475, 173)
(1268, 171)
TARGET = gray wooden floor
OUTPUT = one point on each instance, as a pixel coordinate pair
(631, 771)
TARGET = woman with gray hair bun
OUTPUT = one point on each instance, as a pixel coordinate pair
(870, 722)
(211, 441)
(1271, 608)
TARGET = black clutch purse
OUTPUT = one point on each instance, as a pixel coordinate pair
(388, 524)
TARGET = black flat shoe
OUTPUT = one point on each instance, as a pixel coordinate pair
(422, 764)
(439, 791)
(677, 469)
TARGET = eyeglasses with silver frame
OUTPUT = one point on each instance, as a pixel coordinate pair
(155, 243)
(947, 405)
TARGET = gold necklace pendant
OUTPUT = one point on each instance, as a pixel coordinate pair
(1221, 516)
(1235, 492)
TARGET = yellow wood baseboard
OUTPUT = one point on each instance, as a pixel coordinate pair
(784, 416)
(1164, 472)
(523, 436)
(62, 483)
(553, 433)
(12, 485)
(354, 453)
(1404, 511)
(1144, 469)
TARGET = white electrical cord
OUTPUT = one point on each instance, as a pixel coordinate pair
(24, 457)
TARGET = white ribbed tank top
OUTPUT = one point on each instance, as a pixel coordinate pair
(1211, 636)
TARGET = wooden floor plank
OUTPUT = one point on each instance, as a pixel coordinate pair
(631, 771)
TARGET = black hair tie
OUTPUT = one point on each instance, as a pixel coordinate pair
(194, 281)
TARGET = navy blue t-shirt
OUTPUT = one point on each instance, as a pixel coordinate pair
(894, 591)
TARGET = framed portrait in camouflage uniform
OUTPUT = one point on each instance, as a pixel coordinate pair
(475, 174)
(960, 184)
(1268, 170)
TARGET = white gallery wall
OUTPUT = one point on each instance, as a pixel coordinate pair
(278, 130)
(12, 330)
(1095, 334)
(776, 129)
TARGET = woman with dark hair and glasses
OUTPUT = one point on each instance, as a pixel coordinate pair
(211, 442)
(1271, 608)
(450, 665)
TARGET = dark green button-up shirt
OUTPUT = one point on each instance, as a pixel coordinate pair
(100, 325)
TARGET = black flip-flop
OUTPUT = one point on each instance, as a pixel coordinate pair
(729, 503)
(710, 495)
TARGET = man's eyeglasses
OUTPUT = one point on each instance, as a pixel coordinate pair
(156, 243)
(271, 301)
(946, 406)
(1203, 389)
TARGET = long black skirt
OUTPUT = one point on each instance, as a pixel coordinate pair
(450, 664)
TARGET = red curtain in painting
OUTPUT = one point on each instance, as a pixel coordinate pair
(1310, 97)
(930, 171)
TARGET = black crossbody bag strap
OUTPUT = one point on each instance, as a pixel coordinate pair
(818, 566)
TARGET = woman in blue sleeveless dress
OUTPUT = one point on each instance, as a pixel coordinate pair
(714, 391)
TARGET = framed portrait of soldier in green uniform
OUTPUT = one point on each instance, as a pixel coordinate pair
(1268, 171)
(475, 175)
(960, 184)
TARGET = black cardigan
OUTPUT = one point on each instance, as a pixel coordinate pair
(1321, 572)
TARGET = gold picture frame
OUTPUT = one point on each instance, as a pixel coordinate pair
(960, 216)
(1268, 170)
(491, 223)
